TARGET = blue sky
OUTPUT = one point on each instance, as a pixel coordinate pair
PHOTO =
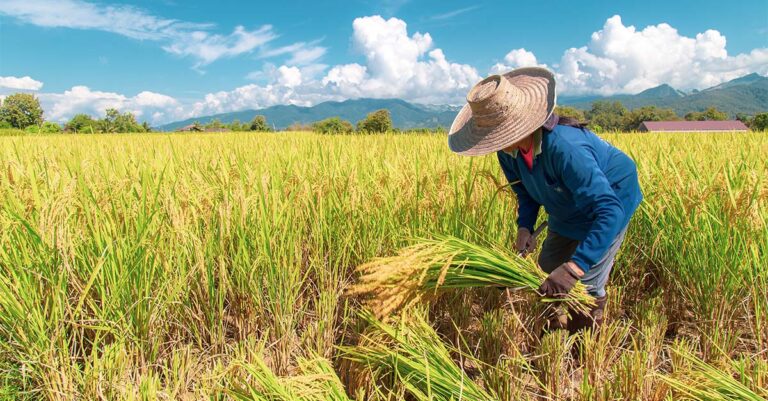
(172, 59)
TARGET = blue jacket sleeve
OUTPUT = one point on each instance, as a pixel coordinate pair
(527, 208)
(592, 193)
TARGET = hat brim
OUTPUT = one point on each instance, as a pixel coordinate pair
(537, 86)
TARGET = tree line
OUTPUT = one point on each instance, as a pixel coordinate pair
(613, 116)
(23, 111)
(378, 121)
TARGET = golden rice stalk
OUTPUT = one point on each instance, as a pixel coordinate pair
(442, 262)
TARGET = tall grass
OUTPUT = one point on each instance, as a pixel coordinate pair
(147, 266)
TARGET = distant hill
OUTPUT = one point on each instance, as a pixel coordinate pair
(404, 115)
(748, 95)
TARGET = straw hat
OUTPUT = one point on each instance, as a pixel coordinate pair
(502, 110)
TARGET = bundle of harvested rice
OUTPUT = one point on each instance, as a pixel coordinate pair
(417, 357)
(444, 262)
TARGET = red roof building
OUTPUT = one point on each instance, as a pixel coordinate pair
(692, 126)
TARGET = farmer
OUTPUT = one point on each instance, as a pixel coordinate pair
(588, 187)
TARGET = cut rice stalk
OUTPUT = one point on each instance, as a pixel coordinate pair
(418, 358)
(444, 262)
(317, 382)
(702, 381)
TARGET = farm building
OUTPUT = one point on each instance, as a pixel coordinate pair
(692, 126)
(190, 128)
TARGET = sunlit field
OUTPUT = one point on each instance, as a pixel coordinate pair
(215, 266)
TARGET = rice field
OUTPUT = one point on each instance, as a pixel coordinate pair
(218, 267)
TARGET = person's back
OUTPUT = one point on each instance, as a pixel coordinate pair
(619, 169)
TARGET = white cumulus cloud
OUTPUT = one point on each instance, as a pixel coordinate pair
(150, 106)
(289, 76)
(515, 59)
(399, 65)
(623, 59)
(20, 83)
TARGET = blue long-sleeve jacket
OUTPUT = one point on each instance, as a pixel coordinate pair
(588, 187)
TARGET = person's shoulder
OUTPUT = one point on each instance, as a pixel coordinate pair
(568, 132)
(564, 136)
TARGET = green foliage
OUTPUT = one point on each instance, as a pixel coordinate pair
(632, 120)
(376, 122)
(82, 123)
(567, 111)
(237, 126)
(5, 125)
(606, 116)
(710, 114)
(21, 110)
(333, 125)
(47, 127)
(259, 123)
(114, 121)
(214, 125)
(760, 122)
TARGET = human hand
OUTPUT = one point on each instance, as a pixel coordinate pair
(525, 242)
(560, 282)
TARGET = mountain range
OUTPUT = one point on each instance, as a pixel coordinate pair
(404, 115)
(747, 95)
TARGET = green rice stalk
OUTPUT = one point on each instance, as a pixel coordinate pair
(446, 262)
(317, 381)
(417, 358)
(702, 381)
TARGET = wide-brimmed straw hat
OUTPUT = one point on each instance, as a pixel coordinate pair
(503, 109)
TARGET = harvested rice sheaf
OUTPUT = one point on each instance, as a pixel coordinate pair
(409, 349)
(444, 262)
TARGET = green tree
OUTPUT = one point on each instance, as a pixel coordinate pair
(114, 121)
(21, 110)
(710, 114)
(50, 127)
(631, 121)
(567, 111)
(214, 125)
(376, 122)
(760, 122)
(259, 123)
(606, 116)
(237, 126)
(82, 123)
(47, 127)
(333, 125)
(745, 118)
(109, 122)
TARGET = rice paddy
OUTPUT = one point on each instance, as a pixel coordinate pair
(221, 267)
